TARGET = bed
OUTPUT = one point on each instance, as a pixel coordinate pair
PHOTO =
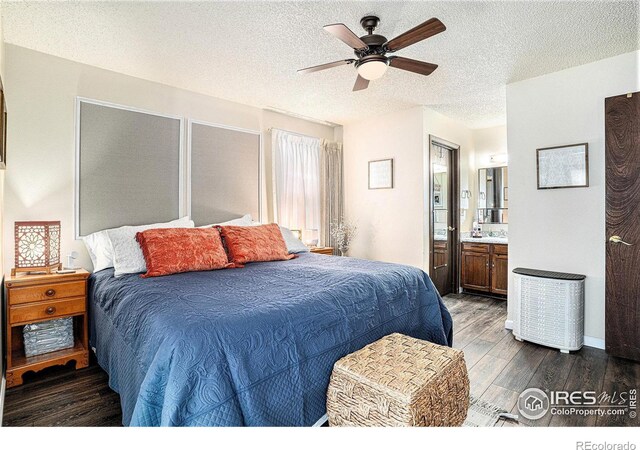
(252, 346)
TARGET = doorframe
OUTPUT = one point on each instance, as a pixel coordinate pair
(429, 207)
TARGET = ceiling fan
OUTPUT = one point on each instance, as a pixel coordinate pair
(372, 49)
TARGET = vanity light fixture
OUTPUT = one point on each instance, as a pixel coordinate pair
(499, 158)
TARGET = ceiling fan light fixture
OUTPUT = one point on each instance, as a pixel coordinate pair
(372, 70)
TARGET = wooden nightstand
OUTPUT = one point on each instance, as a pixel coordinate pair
(36, 298)
(322, 250)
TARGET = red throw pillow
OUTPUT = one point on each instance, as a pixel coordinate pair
(176, 250)
(253, 244)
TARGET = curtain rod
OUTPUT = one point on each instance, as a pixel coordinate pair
(291, 132)
(300, 116)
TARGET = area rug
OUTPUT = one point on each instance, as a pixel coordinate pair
(485, 414)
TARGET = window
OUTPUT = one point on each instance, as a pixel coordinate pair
(296, 168)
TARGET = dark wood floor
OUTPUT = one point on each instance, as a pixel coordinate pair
(63, 397)
(500, 368)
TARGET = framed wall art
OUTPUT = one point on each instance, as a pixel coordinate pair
(381, 174)
(566, 166)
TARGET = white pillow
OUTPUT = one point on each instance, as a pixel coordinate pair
(294, 245)
(100, 250)
(243, 221)
(127, 255)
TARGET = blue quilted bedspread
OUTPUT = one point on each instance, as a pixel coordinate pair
(251, 346)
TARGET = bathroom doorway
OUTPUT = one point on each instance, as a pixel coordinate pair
(443, 175)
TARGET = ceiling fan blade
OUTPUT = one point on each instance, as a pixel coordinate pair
(342, 32)
(326, 66)
(361, 83)
(423, 31)
(412, 65)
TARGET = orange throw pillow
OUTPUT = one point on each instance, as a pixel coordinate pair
(175, 250)
(253, 244)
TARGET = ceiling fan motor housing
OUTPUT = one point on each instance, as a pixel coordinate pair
(375, 42)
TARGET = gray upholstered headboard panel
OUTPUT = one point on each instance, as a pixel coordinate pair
(128, 168)
(225, 173)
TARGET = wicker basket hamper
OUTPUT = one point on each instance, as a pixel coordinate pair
(399, 381)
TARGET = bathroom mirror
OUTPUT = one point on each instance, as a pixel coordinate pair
(493, 195)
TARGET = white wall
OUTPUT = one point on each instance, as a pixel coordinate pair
(563, 229)
(487, 142)
(389, 221)
(392, 223)
(42, 89)
(338, 133)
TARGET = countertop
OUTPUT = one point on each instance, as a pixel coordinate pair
(486, 240)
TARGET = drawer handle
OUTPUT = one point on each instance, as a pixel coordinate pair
(50, 292)
(50, 310)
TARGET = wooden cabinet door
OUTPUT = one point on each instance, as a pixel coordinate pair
(499, 274)
(441, 273)
(475, 271)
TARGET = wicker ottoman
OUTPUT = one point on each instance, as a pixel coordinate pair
(399, 381)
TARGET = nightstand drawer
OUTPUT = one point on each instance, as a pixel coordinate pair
(322, 250)
(46, 310)
(44, 292)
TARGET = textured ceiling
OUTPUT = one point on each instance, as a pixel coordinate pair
(249, 51)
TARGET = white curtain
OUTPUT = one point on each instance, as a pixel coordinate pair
(296, 170)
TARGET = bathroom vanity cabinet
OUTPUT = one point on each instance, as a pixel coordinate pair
(484, 268)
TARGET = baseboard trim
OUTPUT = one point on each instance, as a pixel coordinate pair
(3, 387)
(508, 324)
(594, 342)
